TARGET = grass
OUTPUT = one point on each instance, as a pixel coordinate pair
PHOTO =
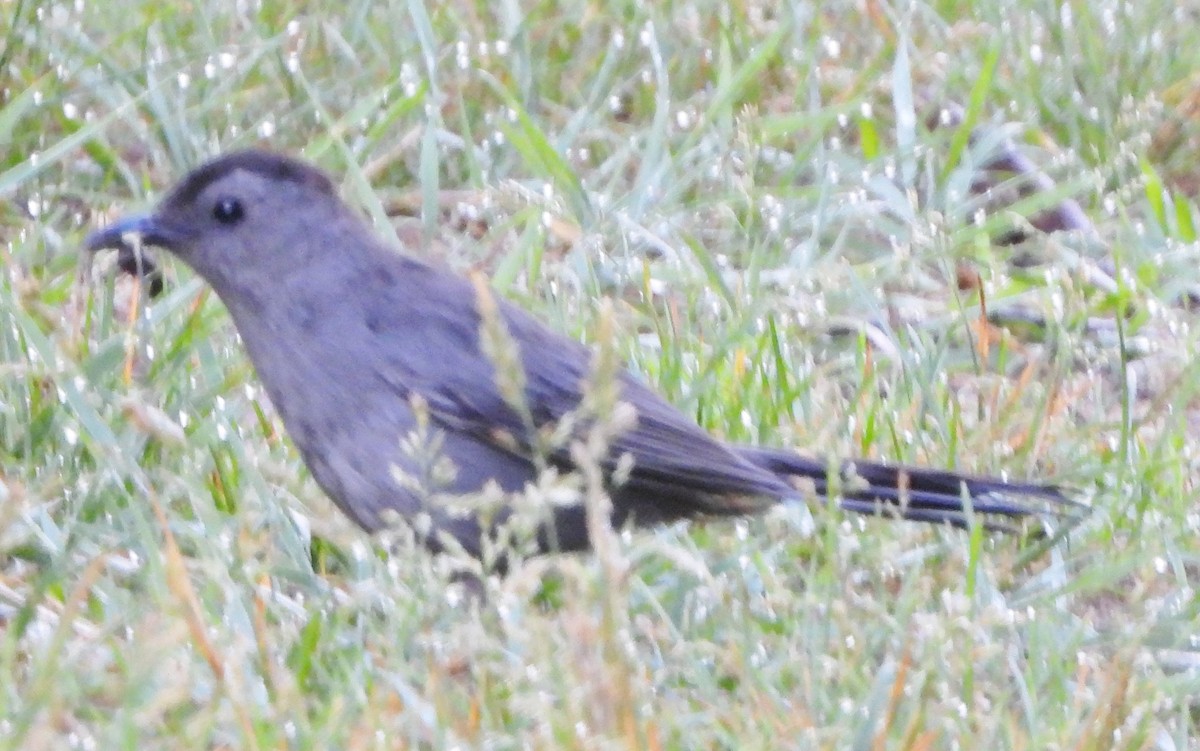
(758, 189)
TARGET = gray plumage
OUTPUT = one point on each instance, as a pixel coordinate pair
(345, 332)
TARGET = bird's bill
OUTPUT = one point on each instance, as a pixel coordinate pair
(149, 231)
(116, 236)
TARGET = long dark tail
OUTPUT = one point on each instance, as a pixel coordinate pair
(915, 493)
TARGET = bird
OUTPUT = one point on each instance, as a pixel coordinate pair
(363, 348)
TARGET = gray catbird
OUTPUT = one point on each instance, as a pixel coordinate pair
(354, 342)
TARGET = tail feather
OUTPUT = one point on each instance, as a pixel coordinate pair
(915, 493)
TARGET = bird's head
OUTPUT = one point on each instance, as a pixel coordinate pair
(246, 217)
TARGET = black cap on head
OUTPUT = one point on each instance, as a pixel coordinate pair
(266, 163)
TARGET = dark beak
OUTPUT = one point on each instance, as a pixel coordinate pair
(151, 231)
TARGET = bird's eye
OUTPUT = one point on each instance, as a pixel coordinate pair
(228, 210)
